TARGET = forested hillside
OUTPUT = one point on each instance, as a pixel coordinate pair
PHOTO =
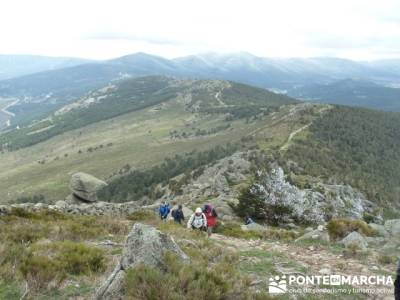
(359, 147)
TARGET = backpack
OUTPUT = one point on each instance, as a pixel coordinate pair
(213, 211)
(164, 209)
(196, 220)
(174, 213)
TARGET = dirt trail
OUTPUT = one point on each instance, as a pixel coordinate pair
(218, 98)
(314, 259)
(292, 135)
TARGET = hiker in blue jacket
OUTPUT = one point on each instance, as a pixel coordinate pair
(163, 210)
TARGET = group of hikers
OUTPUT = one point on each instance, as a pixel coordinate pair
(204, 219)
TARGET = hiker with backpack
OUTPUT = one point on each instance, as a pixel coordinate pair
(178, 215)
(197, 220)
(248, 220)
(211, 216)
(164, 210)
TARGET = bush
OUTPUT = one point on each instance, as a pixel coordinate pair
(255, 207)
(31, 199)
(187, 281)
(339, 228)
(40, 271)
(142, 215)
(385, 259)
(51, 263)
(78, 258)
(234, 230)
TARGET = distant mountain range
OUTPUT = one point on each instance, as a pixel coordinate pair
(19, 65)
(351, 92)
(318, 79)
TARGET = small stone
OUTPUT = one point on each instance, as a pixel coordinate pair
(325, 271)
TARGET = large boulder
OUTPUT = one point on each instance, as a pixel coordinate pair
(393, 227)
(355, 239)
(144, 245)
(84, 187)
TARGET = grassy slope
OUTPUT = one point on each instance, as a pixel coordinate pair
(225, 263)
(140, 138)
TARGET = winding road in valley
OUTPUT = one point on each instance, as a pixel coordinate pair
(5, 111)
(8, 114)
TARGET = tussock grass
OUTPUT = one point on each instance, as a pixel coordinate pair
(47, 248)
(190, 281)
(339, 228)
(269, 233)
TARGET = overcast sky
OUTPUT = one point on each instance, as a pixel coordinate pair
(356, 29)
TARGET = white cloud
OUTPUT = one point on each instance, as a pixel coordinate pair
(358, 29)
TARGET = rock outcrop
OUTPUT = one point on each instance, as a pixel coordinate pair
(144, 245)
(85, 209)
(84, 187)
(216, 182)
(311, 205)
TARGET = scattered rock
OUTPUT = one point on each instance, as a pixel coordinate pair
(144, 245)
(289, 226)
(86, 209)
(61, 204)
(375, 240)
(325, 271)
(315, 235)
(354, 238)
(253, 227)
(393, 227)
(308, 229)
(380, 229)
(85, 186)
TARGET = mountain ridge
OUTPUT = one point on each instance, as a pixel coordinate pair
(286, 75)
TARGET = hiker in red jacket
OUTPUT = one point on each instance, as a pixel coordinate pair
(211, 216)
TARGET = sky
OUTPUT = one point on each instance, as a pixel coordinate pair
(354, 29)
